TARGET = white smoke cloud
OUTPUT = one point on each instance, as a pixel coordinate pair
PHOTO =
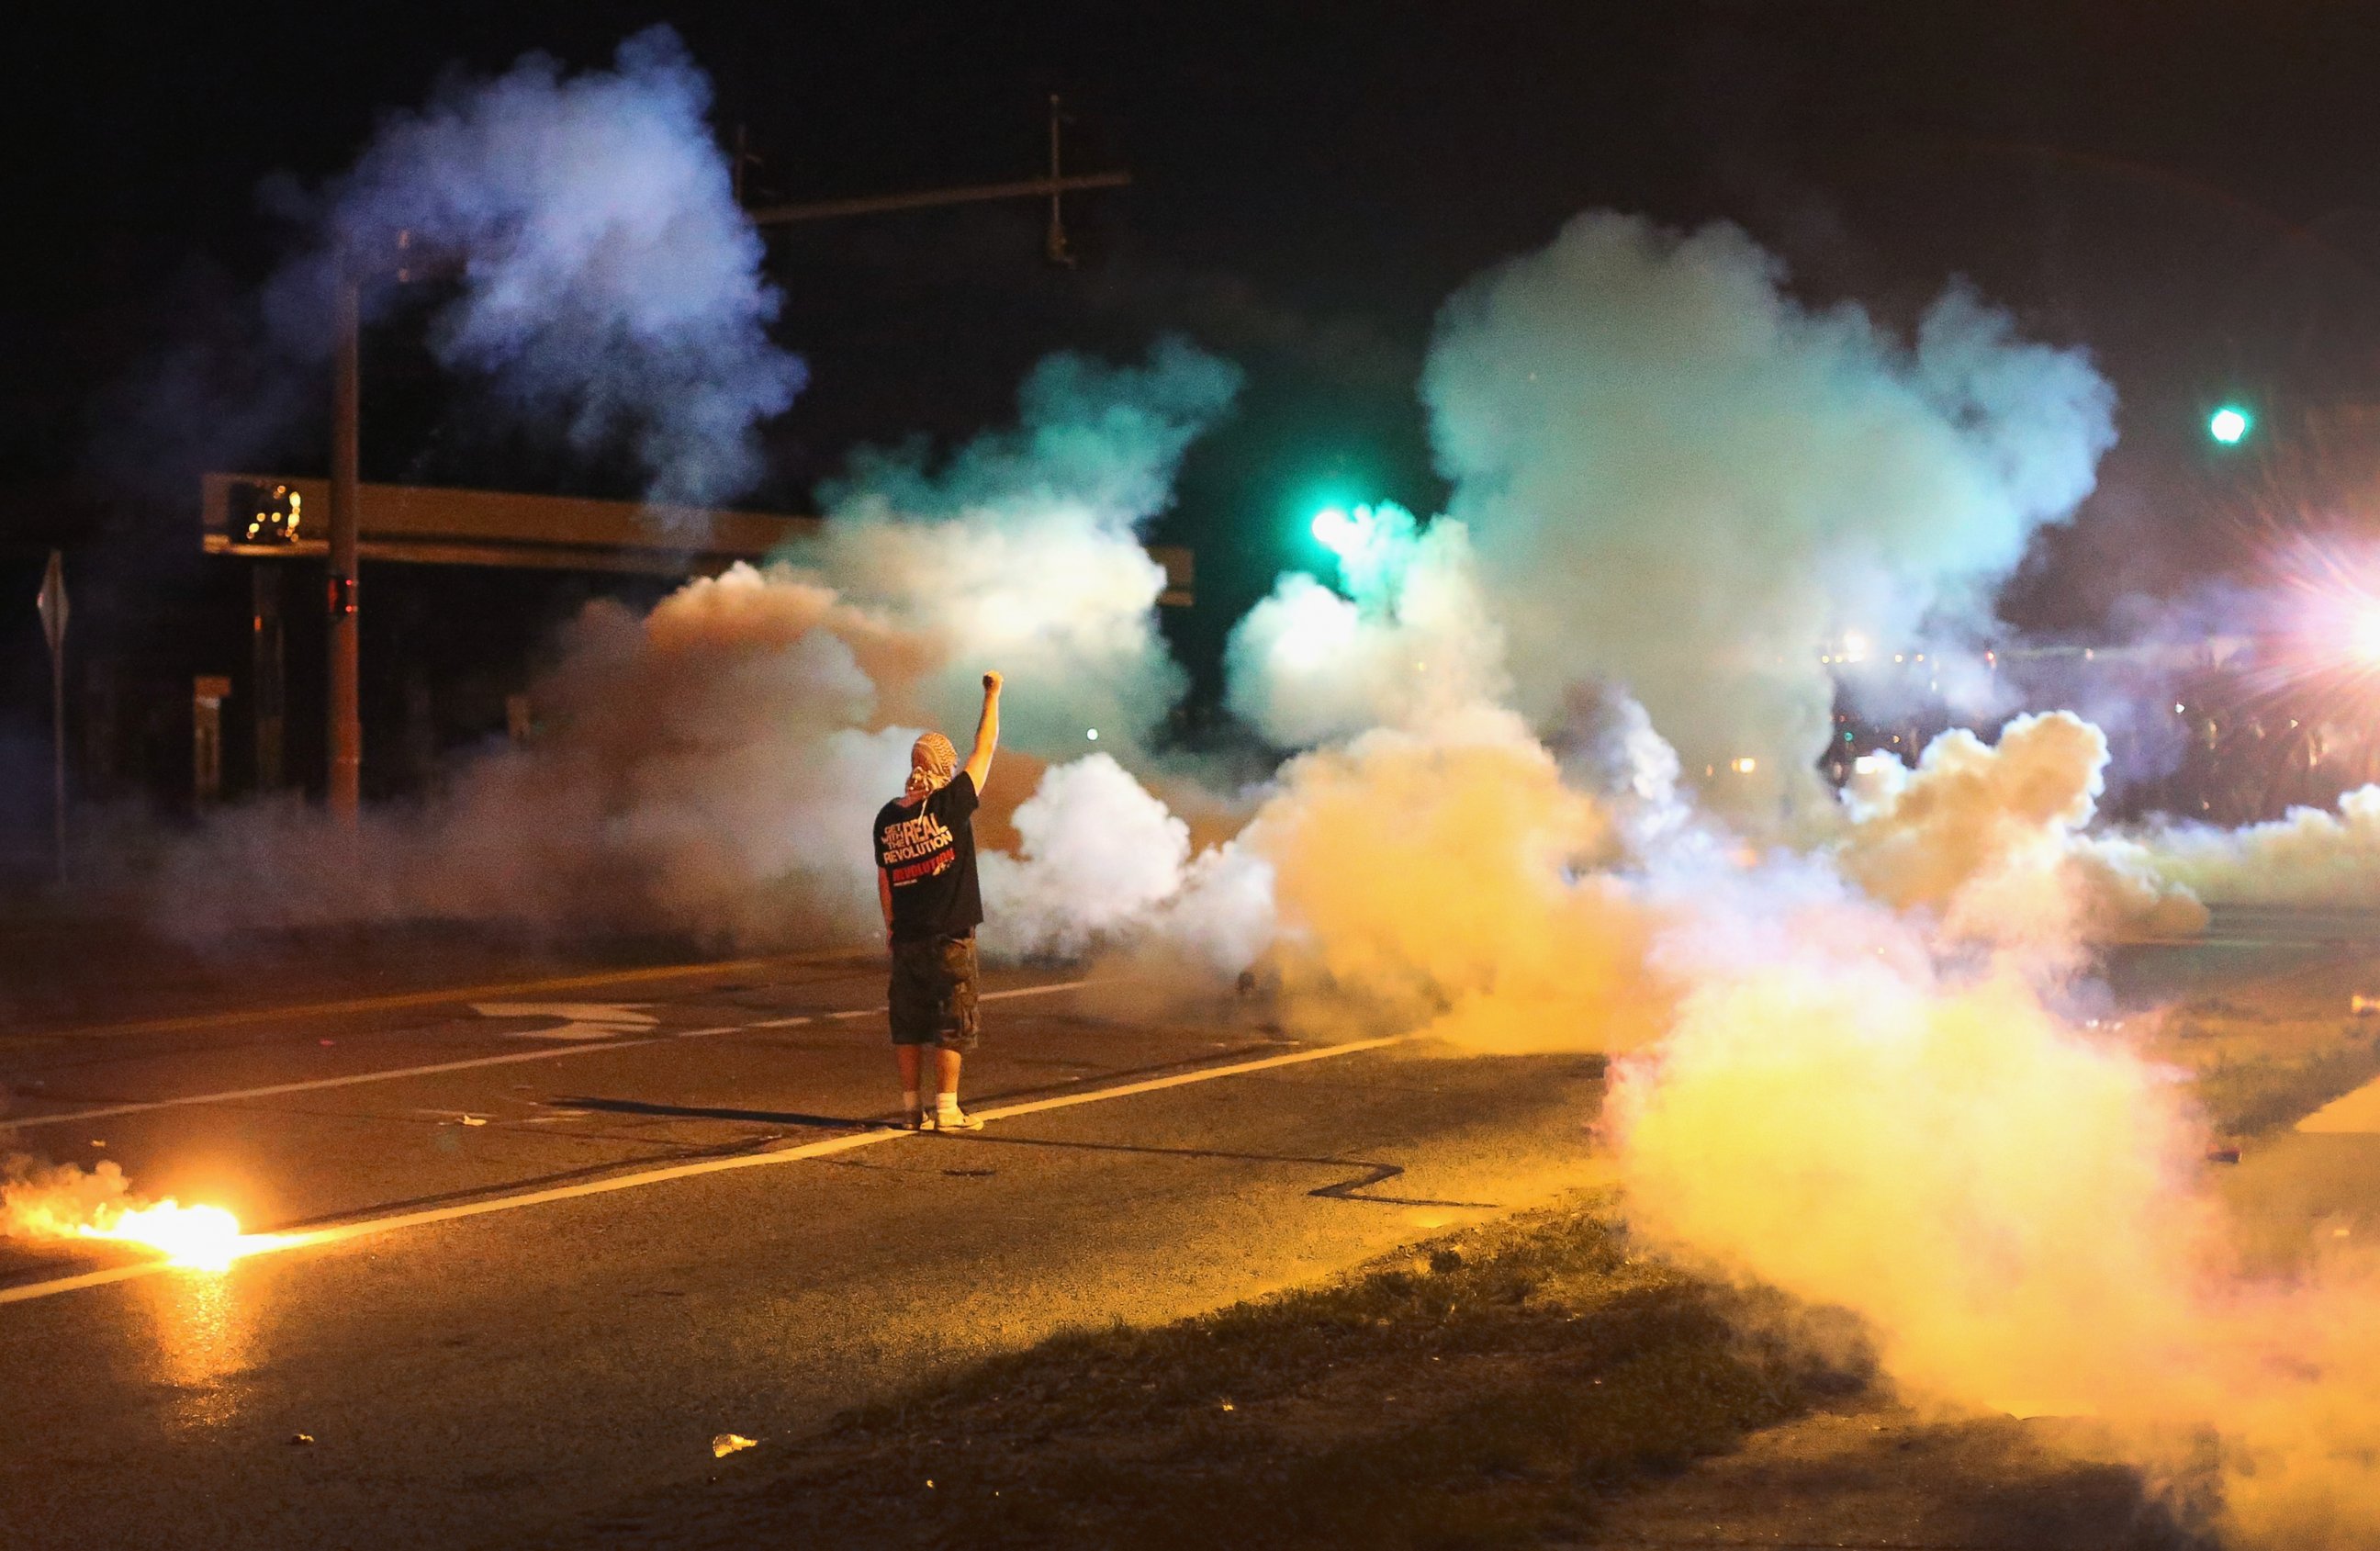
(1413, 640)
(1097, 855)
(2306, 857)
(713, 768)
(1992, 838)
(1026, 552)
(609, 285)
(1676, 476)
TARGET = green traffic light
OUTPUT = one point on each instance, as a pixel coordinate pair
(2229, 425)
(1338, 531)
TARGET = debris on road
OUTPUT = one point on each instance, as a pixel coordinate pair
(472, 1120)
(2362, 1006)
(301, 1437)
(728, 1443)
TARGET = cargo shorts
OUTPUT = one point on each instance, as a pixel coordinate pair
(933, 992)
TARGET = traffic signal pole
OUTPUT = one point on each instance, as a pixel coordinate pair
(346, 731)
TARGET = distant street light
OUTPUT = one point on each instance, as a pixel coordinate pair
(2229, 425)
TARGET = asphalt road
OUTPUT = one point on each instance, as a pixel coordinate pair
(547, 1241)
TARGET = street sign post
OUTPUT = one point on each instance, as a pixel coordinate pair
(52, 602)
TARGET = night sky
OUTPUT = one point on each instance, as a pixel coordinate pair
(2184, 188)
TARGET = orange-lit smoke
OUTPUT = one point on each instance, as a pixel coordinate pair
(2014, 1206)
(1992, 839)
(1449, 883)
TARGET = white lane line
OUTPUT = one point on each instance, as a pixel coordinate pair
(1029, 991)
(1181, 1079)
(391, 1074)
(780, 1022)
(374, 1227)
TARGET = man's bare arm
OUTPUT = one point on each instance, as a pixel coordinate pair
(884, 898)
(987, 733)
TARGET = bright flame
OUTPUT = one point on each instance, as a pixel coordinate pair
(203, 1238)
(71, 1204)
(1746, 765)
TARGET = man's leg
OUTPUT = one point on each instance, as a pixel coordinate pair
(913, 1065)
(948, 1116)
(958, 1015)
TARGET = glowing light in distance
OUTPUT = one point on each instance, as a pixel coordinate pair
(1854, 648)
(203, 1237)
(1869, 764)
(2363, 634)
(1745, 765)
(1092, 734)
(2229, 424)
(1338, 531)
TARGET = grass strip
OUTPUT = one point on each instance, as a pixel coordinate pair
(2253, 1098)
(1488, 1390)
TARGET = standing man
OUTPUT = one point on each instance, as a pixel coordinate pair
(925, 879)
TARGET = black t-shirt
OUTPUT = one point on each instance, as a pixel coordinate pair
(928, 850)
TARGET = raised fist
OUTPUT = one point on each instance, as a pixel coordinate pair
(991, 683)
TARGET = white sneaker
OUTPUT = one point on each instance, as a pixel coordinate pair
(955, 1120)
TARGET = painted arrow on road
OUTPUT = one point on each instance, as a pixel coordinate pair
(580, 1020)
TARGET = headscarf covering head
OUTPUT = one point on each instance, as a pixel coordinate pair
(932, 762)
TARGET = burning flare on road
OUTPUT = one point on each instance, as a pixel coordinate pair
(65, 1203)
(203, 1237)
